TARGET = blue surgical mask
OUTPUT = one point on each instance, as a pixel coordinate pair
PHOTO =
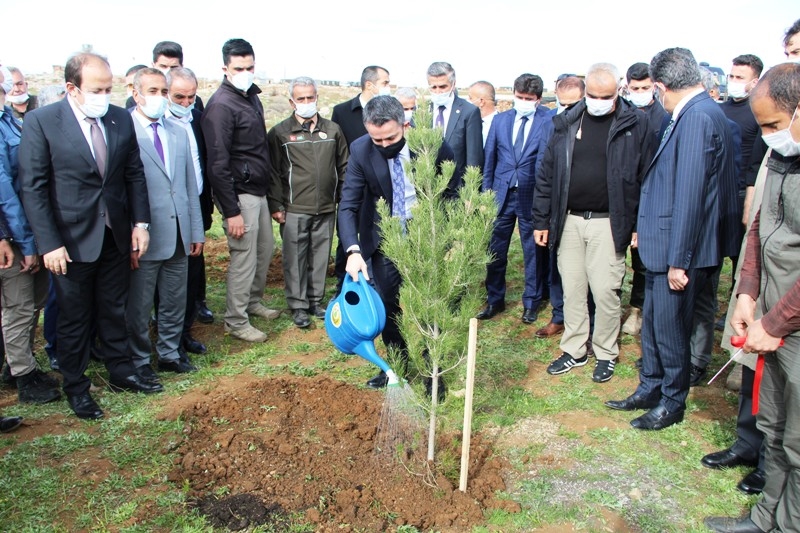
(440, 99)
(154, 106)
(179, 111)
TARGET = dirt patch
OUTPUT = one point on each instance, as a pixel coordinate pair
(242, 511)
(307, 445)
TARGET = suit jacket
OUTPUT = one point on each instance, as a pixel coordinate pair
(464, 134)
(368, 179)
(687, 211)
(348, 115)
(62, 188)
(206, 202)
(502, 170)
(173, 197)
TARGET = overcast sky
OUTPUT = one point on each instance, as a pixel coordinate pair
(492, 40)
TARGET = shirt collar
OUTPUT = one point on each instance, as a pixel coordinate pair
(684, 101)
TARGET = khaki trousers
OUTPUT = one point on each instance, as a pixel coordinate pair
(587, 259)
(250, 258)
(306, 252)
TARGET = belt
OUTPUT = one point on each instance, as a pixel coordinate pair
(588, 215)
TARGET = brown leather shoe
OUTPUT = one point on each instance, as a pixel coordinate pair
(549, 330)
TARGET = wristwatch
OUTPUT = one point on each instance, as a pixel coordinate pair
(144, 225)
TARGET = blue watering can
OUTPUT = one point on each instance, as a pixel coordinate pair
(354, 319)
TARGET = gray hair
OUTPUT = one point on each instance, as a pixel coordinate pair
(709, 79)
(180, 73)
(676, 68)
(604, 68)
(15, 70)
(405, 92)
(442, 68)
(382, 109)
(51, 94)
(149, 71)
(301, 81)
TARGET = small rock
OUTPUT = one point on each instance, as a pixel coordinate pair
(635, 494)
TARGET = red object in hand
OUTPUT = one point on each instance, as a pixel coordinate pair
(738, 342)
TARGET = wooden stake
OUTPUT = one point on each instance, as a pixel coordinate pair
(467, 432)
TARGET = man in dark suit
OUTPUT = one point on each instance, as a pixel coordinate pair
(517, 139)
(375, 171)
(83, 188)
(182, 86)
(348, 115)
(459, 119)
(687, 217)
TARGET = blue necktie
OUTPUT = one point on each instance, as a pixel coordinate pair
(440, 118)
(398, 190)
(519, 142)
(667, 130)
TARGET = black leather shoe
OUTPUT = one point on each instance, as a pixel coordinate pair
(726, 459)
(657, 418)
(753, 483)
(133, 383)
(441, 389)
(204, 314)
(300, 318)
(696, 375)
(379, 381)
(192, 345)
(54, 363)
(317, 311)
(9, 423)
(631, 403)
(529, 315)
(490, 311)
(179, 367)
(148, 374)
(724, 524)
(84, 406)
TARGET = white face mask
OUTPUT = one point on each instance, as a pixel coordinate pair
(525, 108)
(7, 81)
(440, 99)
(640, 99)
(737, 89)
(154, 106)
(599, 108)
(782, 141)
(385, 91)
(17, 98)
(243, 80)
(408, 115)
(305, 110)
(95, 105)
(180, 111)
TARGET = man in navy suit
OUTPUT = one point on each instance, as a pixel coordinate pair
(372, 174)
(516, 139)
(686, 225)
(459, 119)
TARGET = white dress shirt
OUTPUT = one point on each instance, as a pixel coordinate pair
(186, 124)
(162, 135)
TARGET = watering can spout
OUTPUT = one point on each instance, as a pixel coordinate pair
(355, 318)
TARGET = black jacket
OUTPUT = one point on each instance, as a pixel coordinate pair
(348, 115)
(629, 150)
(236, 147)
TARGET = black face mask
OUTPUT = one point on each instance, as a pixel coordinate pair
(391, 151)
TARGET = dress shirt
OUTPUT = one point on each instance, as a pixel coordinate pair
(487, 123)
(186, 124)
(448, 107)
(86, 128)
(517, 122)
(162, 135)
(684, 101)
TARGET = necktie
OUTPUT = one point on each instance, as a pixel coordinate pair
(519, 142)
(157, 141)
(667, 130)
(98, 145)
(398, 190)
(440, 118)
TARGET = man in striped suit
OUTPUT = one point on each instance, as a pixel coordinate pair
(686, 225)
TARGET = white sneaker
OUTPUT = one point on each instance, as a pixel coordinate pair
(247, 333)
(633, 325)
(263, 312)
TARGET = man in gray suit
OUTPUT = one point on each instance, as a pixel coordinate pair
(460, 120)
(176, 229)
